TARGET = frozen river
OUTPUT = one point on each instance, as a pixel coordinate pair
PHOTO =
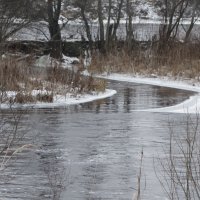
(143, 31)
(94, 149)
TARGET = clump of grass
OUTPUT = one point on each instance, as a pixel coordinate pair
(57, 74)
(11, 73)
(97, 85)
(78, 82)
(34, 84)
(89, 84)
(117, 61)
(24, 98)
(48, 98)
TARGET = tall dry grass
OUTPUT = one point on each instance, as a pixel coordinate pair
(22, 77)
(177, 59)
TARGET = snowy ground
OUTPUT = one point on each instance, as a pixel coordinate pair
(61, 100)
(192, 105)
(69, 98)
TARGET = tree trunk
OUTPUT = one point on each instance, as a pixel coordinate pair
(129, 35)
(87, 27)
(101, 26)
(53, 10)
(188, 32)
(172, 22)
(116, 25)
(108, 29)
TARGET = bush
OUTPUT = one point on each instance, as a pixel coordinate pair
(24, 98)
(45, 98)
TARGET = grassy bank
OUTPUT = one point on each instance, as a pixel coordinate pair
(22, 82)
(176, 60)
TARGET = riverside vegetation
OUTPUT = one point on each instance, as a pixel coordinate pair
(21, 82)
(177, 60)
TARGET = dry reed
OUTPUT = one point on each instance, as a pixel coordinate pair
(24, 79)
(178, 59)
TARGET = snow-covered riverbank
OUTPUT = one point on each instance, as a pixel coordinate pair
(192, 105)
(61, 101)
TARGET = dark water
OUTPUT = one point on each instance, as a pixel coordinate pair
(93, 149)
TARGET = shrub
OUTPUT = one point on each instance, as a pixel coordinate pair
(45, 98)
(24, 98)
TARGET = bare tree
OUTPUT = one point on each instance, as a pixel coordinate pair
(114, 13)
(101, 25)
(56, 176)
(53, 14)
(195, 8)
(129, 26)
(84, 6)
(11, 136)
(172, 11)
(109, 28)
(180, 176)
(14, 15)
(120, 4)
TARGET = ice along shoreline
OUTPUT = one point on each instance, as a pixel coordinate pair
(62, 101)
(189, 106)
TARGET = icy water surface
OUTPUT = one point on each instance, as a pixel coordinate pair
(93, 149)
(142, 32)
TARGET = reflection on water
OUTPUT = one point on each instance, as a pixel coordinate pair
(131, 97)
(97, 144)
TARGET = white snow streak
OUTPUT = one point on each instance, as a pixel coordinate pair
(60, 100)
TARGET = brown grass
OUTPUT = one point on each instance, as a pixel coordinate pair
(21, 78)
(177, 60)
(10, 74)
(82, 84)
(24, 98)
(45, 98)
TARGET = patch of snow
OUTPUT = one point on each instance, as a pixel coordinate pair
(70, 60)
(190, 106)
(61, 100)
(47, 61)
(86, 73)
(62, 20)
(44, 61)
